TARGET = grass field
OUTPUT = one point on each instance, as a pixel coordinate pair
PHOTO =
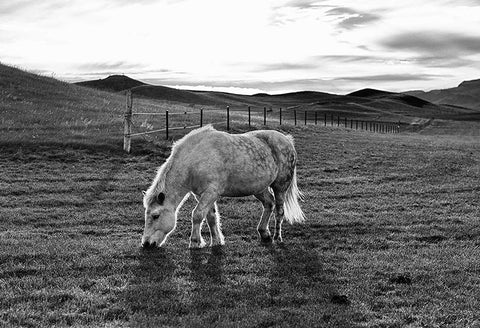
(392, 237)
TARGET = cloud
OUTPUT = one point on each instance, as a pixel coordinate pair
(390, 78)
(108, 66)
(284, 67)
(351, 18)
(11, 7)
(469, 3)
(436, 43)
(303, 4)
(352, 58)
(441, 61)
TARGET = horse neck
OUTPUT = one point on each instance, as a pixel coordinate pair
(175, 188)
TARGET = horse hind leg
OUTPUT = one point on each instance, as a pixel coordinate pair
(268, 203)
(279, 215)
(213, 220)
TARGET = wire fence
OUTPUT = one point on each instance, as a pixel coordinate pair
(169, 122)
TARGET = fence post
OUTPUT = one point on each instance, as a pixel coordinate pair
(166, 124)
(201, 117)
(325, 117)
(305, 117)
(346, 123)
(295, 116)
(332, 120)
(338, 120)
(127, 128)
(228, 118)
(249, 117)
(264, 115)
(356, 124)
(280, 115)
(351, 123)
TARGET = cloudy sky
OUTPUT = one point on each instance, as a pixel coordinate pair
(248, 46)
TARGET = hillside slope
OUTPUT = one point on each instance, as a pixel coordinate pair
(367, 103)
(112, 83)
(466, 94)
(40, 110)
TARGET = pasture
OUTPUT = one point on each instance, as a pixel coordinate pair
(391, 239)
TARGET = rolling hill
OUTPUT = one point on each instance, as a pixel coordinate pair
(112, 83)
(365, 103)
(466, 94)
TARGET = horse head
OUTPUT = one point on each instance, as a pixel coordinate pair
(159, 221)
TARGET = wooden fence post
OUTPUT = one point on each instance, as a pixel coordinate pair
(315, 117)
(264, 115)
(280, 115)
(249, 117)
(295, 116)
(346, 123)
(166, 124)
(305, 117)
(228, 118)
(338, 120)
(127, 127)
(325, 117)
(201, 117)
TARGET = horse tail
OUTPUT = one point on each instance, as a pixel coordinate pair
(292, 211)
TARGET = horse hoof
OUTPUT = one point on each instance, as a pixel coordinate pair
(267, 240)
(217, 243)
(197, 245)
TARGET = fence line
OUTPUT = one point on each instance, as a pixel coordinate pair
(379, 127)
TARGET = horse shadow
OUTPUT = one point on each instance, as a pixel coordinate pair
(301, 278)
(152, 288)
(207, 266)
(206, 273)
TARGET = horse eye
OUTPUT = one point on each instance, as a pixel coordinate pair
(155, 217)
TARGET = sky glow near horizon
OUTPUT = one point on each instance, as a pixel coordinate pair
(248, 46)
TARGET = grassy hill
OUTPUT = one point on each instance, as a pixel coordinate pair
(41, 110)
(391, 237)
(367, 104)
(112, 83)
(466, 94)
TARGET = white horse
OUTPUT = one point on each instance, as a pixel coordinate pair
(208, 164)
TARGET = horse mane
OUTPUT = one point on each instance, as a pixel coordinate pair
(158, 184)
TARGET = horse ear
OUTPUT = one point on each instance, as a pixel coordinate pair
(161, 198)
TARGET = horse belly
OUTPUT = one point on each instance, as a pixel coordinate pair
(250, 172)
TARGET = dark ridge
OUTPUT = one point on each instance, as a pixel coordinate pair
(171, 94)
(261, 95)
(112, 83)
(411, 100)
(470, 84)
(304, 95)
(367, 93)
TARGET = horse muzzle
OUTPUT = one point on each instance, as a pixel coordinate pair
(149, 245)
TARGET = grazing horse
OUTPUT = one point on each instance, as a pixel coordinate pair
(208, 164)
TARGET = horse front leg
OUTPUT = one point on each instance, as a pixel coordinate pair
(205, 203)
(268, 204)
(213, 220)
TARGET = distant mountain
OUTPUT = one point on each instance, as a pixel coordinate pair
(365, 103)
(467, 94)
(112, 83)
